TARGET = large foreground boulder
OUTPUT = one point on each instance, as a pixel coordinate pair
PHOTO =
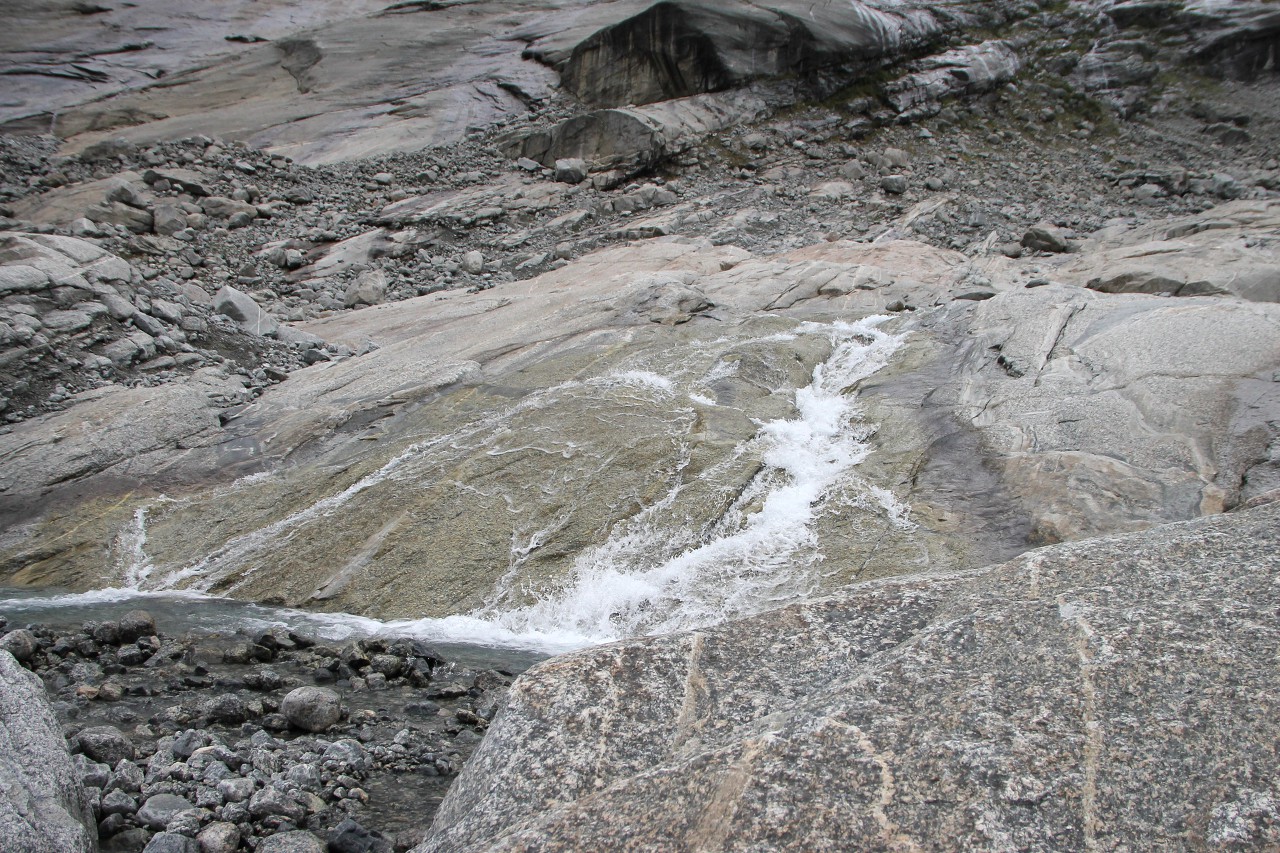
(1110, 694)
(43, 808)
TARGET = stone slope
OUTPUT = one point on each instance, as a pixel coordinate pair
(1108, 693)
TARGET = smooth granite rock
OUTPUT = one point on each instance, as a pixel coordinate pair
(1108, 694)
(43, 807)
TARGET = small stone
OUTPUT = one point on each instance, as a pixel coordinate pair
(1225, 186)
(348, 754)
(171, 842)
(187, 822)
(312, 709)
(245, 311)
(112, 824)
(108, 149)
(226, 708)
(236, 790)
(305, 776)
(298, 841)
(22, 644)
(270, 801)
(168, 219)
(118, 802)
(84, 227)
(126, 777)
(388, 665)
(135, 625)
(219, 837)
(106, 744)
(897, 158)
(350, 837)
(473, 262)
(92, 773)
(159, 809)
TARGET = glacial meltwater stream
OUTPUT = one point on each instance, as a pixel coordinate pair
(661, 567)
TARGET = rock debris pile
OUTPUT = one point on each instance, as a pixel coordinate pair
(270, 741)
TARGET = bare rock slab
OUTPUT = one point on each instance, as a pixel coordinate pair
(1115, 693)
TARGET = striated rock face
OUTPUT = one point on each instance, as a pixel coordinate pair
(1113, 693)
(43, 808)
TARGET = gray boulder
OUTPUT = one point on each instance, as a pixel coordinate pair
(627, 140)
(136, 624)
(269, 801)
(245, 311)
(313, 709)
(369, 288)
(1115, 693)
(168, 219)
(678, 49)
(1045, 237)
(225, 208)
(43, 807)
(219, 837)
(20, 643)
(572, 170)
(136, 219)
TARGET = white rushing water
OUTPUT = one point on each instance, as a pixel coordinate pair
(651, 575)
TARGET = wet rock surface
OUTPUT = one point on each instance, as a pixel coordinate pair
(263, 740)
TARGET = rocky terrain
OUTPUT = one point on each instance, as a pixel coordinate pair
(560, 323)
(232, 739)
